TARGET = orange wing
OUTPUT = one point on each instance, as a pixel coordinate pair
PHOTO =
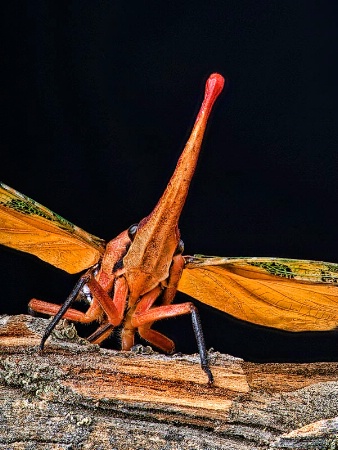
(30, 227)
(291, 295)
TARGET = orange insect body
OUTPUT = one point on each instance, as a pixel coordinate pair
(144, 265)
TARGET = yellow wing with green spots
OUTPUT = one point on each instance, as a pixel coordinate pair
(27, 226)
(289, 294)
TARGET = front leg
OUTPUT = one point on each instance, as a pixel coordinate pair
(168, 294)
(145, 315)
(152, 336)
(166, 311)
(113, 307)
(100, 286)
(94, 312)
(48, 308)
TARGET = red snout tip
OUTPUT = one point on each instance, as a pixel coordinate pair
(214, 85)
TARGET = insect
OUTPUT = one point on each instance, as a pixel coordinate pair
(132, 280)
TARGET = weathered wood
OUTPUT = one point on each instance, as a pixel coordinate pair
(76, 395)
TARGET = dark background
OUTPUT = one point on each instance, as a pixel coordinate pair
(98, 99)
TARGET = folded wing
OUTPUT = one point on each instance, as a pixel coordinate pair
(291, 295)
(27, 226)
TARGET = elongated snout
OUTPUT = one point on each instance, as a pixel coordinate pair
(157, 235)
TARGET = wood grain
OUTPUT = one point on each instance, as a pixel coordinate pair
(76, 395)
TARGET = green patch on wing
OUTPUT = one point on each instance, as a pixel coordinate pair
(327, 277)
(274, 268)
(12, 199)
(332, 267)
(296, 269)
(26, 205)
(31, 208)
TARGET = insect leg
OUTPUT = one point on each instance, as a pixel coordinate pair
(128, 331)
(58, 316)
(164, 312)
(113, 307)
(93, 313)
(152, 336)
(168, 294)
(102, 333)
(156, 338)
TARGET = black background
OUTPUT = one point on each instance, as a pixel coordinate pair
(98, 99)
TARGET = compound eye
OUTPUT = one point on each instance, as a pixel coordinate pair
(132, 230)
(180, 247)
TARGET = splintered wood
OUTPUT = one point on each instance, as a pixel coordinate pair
(76, 395)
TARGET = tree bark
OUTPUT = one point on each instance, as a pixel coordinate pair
(78, 396)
